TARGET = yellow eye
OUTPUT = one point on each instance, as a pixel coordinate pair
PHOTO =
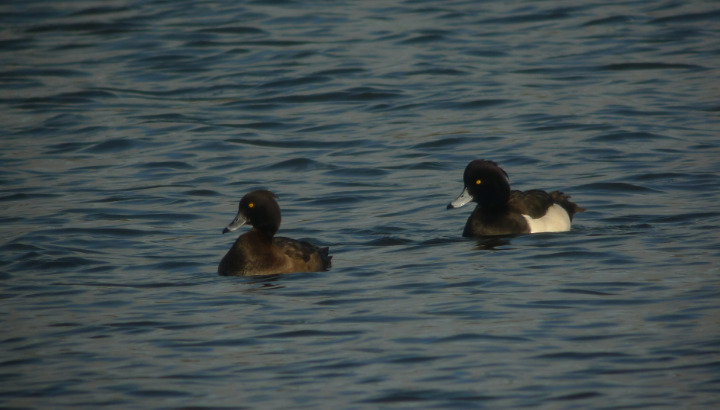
(251, 205)
(478, 182)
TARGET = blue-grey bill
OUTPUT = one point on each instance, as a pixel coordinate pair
(239, 221)
(462, 200)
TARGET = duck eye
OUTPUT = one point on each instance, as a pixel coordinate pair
(251, 205)
(478, 182)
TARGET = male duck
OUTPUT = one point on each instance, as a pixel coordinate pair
(501, 211)
(258, 251)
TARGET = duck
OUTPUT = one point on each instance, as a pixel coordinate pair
(259, 252)
(502, 211)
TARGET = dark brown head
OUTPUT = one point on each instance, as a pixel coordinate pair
(259, 209)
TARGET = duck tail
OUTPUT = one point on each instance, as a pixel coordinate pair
(564, 200)
(325, 257)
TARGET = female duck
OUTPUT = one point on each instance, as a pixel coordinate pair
(501, 211)
(258, 251)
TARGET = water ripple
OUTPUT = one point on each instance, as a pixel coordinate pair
(131, 130)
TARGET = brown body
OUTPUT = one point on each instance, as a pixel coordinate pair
(255, 254)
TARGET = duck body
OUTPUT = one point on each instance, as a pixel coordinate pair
(259, 252)
(502, 211)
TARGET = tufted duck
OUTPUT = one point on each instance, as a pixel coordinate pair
(258, 251)
(501, 211)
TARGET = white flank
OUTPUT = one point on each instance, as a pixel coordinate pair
(556, 219)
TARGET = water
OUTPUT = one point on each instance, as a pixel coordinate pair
(131, 129)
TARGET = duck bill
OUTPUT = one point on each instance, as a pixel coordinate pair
(239, 221)
(462, 200)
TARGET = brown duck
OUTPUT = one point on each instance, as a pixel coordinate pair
(259, 251)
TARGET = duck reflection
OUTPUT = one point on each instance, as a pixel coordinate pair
(492, 243)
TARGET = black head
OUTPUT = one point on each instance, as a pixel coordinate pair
(259, 209)
(485, 183)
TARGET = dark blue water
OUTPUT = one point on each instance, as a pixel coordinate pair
(131, 129)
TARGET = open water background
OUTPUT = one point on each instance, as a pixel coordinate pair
(130, 129)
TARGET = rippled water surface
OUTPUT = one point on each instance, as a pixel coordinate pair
(131, 129)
